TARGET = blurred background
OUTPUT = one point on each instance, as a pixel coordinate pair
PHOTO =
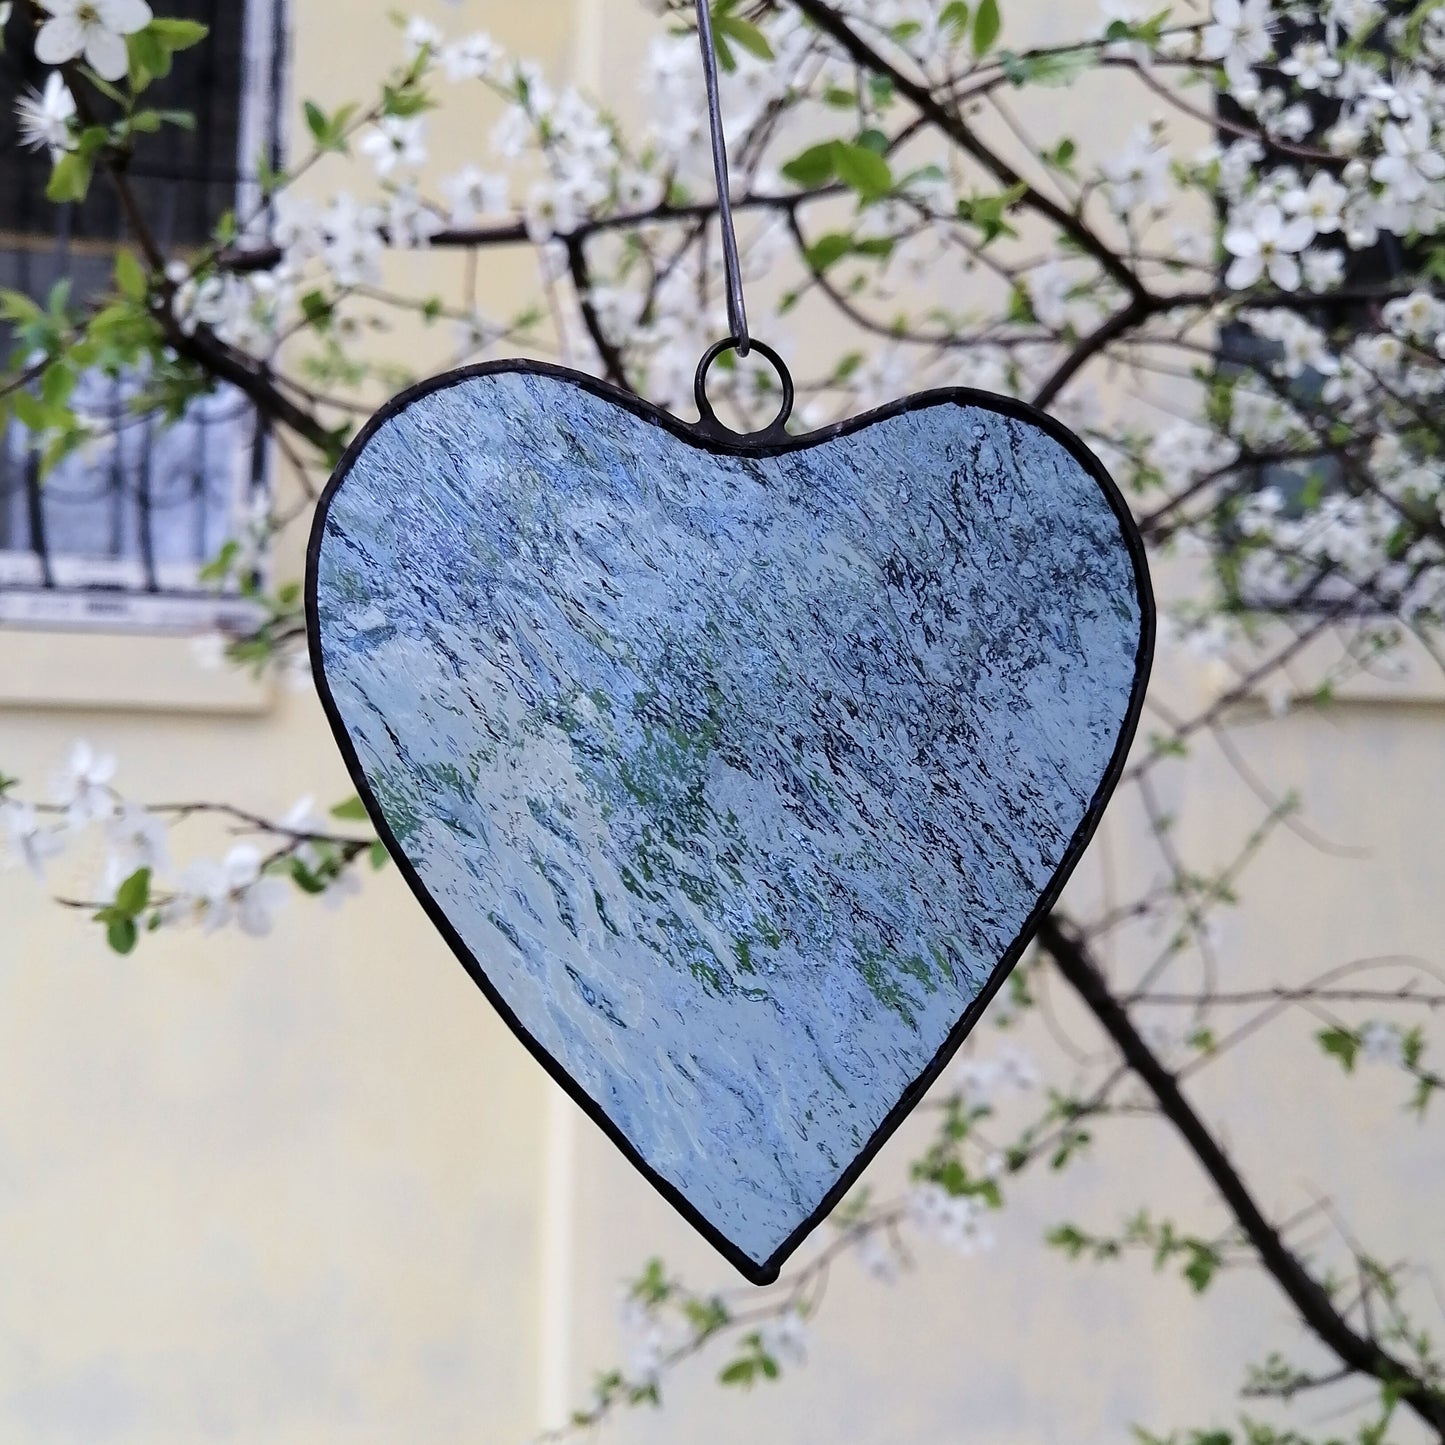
(307, 1188)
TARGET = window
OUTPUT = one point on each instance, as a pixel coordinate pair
(116, 535)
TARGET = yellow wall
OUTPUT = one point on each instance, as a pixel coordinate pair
(310, 1190)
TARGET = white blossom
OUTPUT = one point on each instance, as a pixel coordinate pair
(30, 843)
(137, 839)
(1239, 35)
(1261, 242)
(420, 36)
(1048, 287)
(645, 1355)
(410, 223)
(786, 1337)
(550, 211)
(1411, 160)
(472, 193)
(1419, 315)
(353, 241)
(301, 818)
(1382, 1043)
(1321, 202)
(45, 117)
(1311, 64)
(83, 786)
(475, 57)
(92, 29)
(339, 888)
(212, 895)
(1293, 122)
(955, 1219)
(298, 228)
(1139, 175)
(875, 1252)
(1017, 1070)
(398, 142)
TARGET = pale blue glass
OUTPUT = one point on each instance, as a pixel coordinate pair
(736, 775)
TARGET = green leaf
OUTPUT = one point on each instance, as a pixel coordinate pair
(353, 810)
(122, 935)
(828, 250)
(378, 855)
(406, 100)
(70, 180)
(305, 879)
(135, 893)
(740, 1372)
(178, 34)
(17, 307)
(130, 276)
(954, 17)
(30, 411)
(988, 212)
(863, 170)
(724, 52)
(148, 58)
(219, 567)
(1203, 1262)
(1058, 68)
(1342, 1044)
(1062, 158)
(316, 308)
(181, 119)
(56, 383)
(814, 167)
(742, 33)
(986, 26)
(316, 121)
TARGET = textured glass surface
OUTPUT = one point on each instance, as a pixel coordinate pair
(737, 776)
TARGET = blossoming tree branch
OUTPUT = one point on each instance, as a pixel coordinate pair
(1238, 307)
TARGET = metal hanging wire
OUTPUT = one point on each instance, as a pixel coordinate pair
(732, 264)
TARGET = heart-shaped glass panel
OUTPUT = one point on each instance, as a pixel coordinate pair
(736, 775)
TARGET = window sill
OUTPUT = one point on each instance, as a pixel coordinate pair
(126, 672)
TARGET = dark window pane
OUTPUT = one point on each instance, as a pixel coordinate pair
(183, 180)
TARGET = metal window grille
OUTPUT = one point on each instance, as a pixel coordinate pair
(117, 534)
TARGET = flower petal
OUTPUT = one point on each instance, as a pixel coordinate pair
(60, 39)
(1297, 234)
(1243, 272)
(1284, 271)
(106, 53)
(124, 16)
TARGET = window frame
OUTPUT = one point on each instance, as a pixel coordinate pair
(42, 588)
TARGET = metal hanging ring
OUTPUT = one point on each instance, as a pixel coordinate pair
(708, 420)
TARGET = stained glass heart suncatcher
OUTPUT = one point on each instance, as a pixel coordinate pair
(736, 772)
